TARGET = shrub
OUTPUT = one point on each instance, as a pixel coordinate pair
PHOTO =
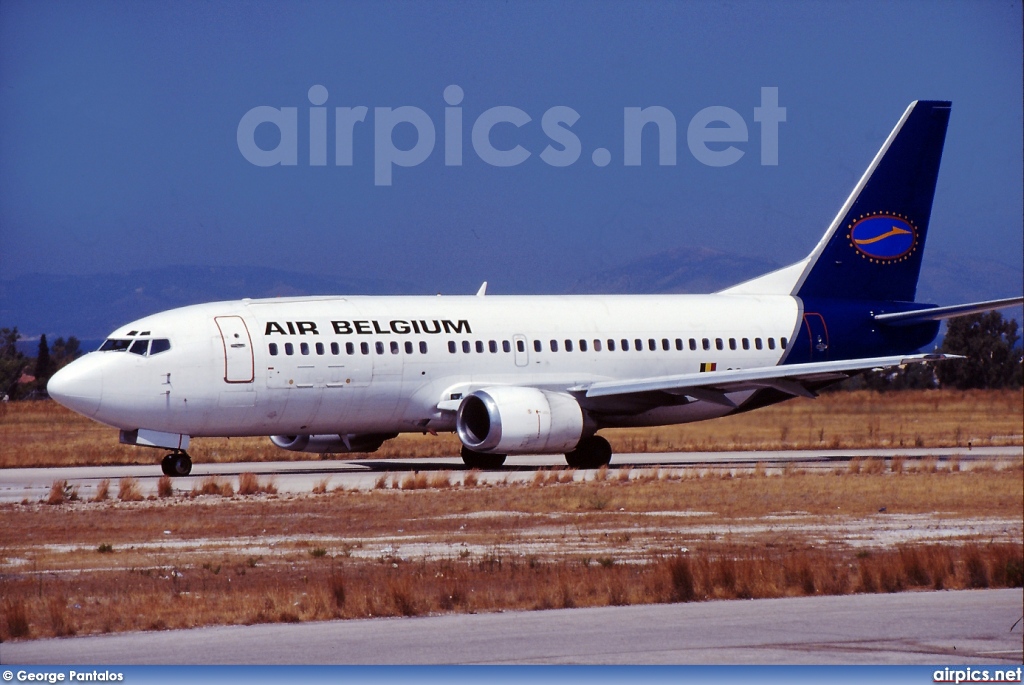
(16, 619)
(102, 491)
(683, 585)
(57, 492)
(128, 490)
(163, 487)
(212, 485)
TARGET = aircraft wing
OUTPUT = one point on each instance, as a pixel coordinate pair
(713, 386)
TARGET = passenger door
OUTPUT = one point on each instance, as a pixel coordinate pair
(238, 357)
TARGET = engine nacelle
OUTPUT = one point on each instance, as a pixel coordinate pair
(332, 443)
(515, 420)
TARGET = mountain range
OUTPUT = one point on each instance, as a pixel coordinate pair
(90, 306)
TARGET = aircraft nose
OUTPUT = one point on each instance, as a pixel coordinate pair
(78, 386)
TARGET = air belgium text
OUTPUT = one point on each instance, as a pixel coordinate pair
(371, 327)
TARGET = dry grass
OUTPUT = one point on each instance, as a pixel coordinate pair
(46, 434)
(573, 543)
(128, 490)
(102, 491)
(320, 588)
(164, 487)
(213, 485)
(251, 484)
(61, 492)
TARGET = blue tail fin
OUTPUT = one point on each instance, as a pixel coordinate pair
(873, 249)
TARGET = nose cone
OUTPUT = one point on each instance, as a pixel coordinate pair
(79, 385)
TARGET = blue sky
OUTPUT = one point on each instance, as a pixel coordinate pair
(119, 125)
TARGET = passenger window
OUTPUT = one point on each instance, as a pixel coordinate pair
(679, 344)
(719, 345)
(732, 343)
(273, 349)
(350, 348)
(364, 348)
(451, 346)
(479, 346)
(554, 346)
(320, 348)
(379, 346)
(139, 347)
(394, 347)
(625, 345)
(466, 347)
(693, 343)
(536, 346)
(705, 343)
(782, 341)
(520, 346)
(638, 345)
(492, 346)
(289, 349)
(335, 349)
(771, 343)
(159, 345)
(506, 346)
(597, 345)
(408, 348)
(304, 348)
(758, 344)
(652, 344)
(568, 345)
(746, 343)
(583, 345)
(611, 345)
(665, 345)
(423, 347)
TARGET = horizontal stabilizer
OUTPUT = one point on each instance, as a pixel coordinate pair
(950, 312)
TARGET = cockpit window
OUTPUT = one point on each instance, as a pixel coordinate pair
(138, 346)
(159, 345)
(115, 345)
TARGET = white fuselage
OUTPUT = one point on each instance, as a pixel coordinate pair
(385, 364)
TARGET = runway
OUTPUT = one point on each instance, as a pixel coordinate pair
(964, 627)
(17, 485)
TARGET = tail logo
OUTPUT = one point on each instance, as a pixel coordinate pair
(883, 238)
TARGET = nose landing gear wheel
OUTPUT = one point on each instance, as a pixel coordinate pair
(176, 464)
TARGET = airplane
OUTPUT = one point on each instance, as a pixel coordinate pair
(535, 374)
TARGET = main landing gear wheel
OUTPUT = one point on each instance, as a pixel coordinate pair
(479, 460)
(176, 464)
(592, 453)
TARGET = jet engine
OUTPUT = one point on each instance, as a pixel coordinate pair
(332, 443)
(516, 420)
